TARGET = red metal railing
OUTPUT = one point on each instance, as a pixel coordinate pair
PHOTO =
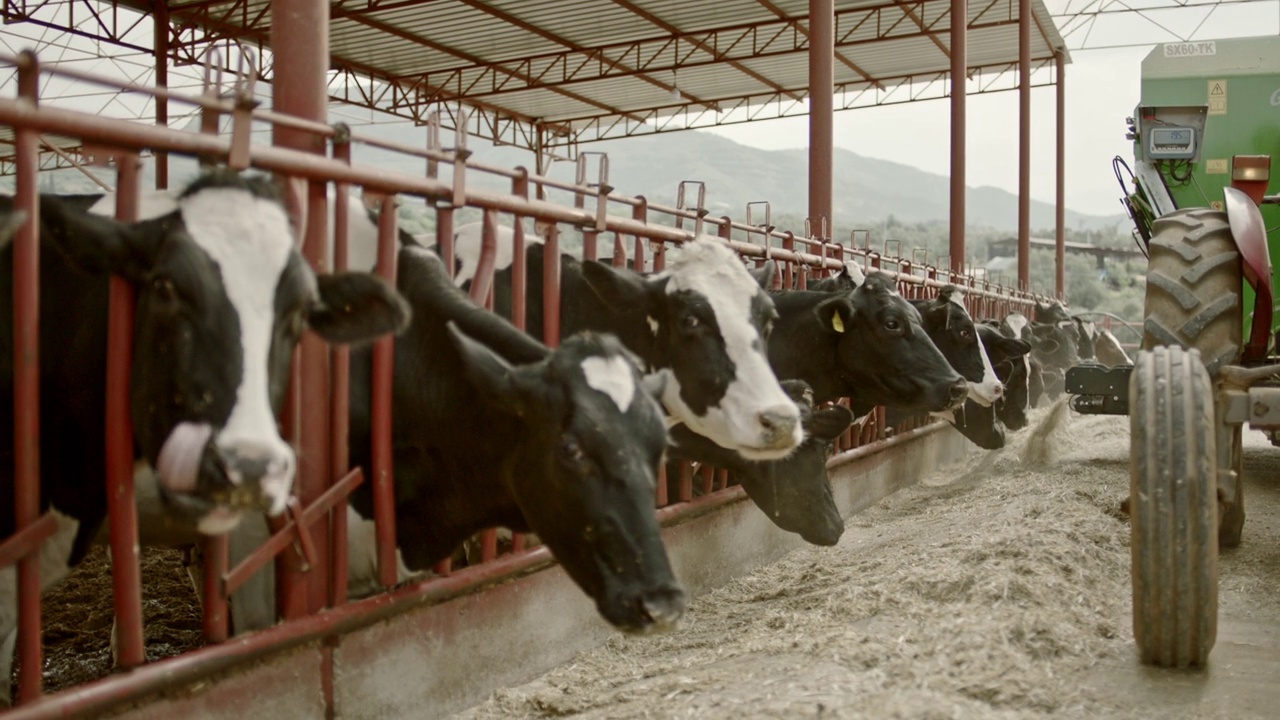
(312, 537)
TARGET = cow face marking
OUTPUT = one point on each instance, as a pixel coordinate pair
(653, 325)
(722, 385)
(611, 376)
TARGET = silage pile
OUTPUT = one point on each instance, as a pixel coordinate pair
(983, 592)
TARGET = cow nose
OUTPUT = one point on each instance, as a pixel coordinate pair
(778, 421)
(664, 606)
(260, 474)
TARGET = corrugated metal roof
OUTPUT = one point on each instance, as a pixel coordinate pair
(584, 65)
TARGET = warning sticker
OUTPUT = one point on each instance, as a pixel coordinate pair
(1215, 167)
(1217, 97)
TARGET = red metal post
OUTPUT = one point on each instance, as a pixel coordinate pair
(959, 92)
(26, 385)
(383, 368)
(1060, 198)
(216, 557)
(551, 289)
(300, 46)
(160, 48)
(821, 106)
(126, 579)
(340, 359)
(1024, 145)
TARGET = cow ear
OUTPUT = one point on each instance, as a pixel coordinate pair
(827, 424)
(765, 273)
(100, 245)
(1010, 347)
(853, 272)
(618, 287)
(655, 384)
(356, 307)
(10, 221)
(490, 375)
(835, 313)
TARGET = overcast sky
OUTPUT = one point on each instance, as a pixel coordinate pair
(1102, 88)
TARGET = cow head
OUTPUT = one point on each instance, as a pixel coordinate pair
(1011, 359)
(1086, 334)
(979, 424)
(884, 352)
(222, 298)
(710, 319)
(949, 325)
(585, 461)
(795, 492)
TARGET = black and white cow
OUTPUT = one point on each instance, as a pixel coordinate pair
(1011, 359)
(1054, 345)
(492, 428)
(701, 324)
(868, 345)
(794, 492)
(222, 299)
(948, 323)
(847, 280)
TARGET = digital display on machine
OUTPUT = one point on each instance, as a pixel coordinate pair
(1171, 143)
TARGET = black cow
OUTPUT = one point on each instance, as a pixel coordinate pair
(794, 492)
(222, 298)
(492, 428)
(847, 280)
(867, 344)
(701, 324)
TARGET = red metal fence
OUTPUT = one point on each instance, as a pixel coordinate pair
(309, 542)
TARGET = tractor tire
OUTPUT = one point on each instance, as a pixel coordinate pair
(1173, 508)
(1194, 287)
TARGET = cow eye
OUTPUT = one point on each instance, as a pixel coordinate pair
(570, 451)
(689, 322)
(966, 335)
(892, 325)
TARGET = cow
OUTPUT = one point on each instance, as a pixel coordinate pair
(493, 428)
(947, 322)
(1054, 345)
(847, 280)
(702, 324)
(1011, 359)
(793, 492)
(867, 344)
(1108, 350)
(223, 296)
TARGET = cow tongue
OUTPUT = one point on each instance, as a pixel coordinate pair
(179, 463)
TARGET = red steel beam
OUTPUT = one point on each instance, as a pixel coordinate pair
(340, 359)
(1024, 144)
(959, 95)
(26, 384)
(126, 578)
(821, 108)
(160, 39)
(383, 465)
(1060, 202)
(300, 48)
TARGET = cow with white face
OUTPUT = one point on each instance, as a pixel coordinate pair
(701, 324)
(222, 299)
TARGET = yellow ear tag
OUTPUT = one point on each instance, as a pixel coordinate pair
(836, 323)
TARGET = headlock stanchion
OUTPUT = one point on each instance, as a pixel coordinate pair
(309, 542)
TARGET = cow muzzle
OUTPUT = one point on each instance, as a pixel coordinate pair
(217, 481)
(985, 393)
(656, 609)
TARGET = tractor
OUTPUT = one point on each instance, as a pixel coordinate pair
(1204, 138)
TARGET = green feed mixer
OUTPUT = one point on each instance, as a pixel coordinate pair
(1205, 135)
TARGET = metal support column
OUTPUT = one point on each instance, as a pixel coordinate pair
(160, 48)
(1060, 203)
(822, 41)
(300, 46)
(959, 89)
(1024, 144)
